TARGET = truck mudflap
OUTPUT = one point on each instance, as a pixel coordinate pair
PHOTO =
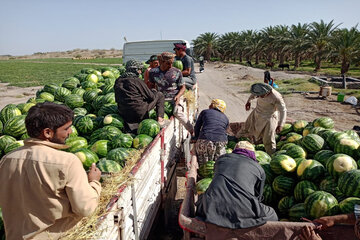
(194, 228)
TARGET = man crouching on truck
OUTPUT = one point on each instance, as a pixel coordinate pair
(233, 199)
(45, 191)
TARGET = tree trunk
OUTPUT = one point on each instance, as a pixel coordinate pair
(297, 61)
(344, 66)
(257, 57)
(281, 58)
(240, 57)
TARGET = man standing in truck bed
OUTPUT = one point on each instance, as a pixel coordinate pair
(188, 71)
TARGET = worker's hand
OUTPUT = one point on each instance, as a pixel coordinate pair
(94, 173)
(278, 129)
(308, 233)
(247, 106)
(325, 222)
(177, 100)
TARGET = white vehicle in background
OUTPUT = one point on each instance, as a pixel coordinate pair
(142, 50)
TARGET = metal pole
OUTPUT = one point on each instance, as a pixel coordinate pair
(136, 230)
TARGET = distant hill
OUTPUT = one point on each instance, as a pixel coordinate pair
(76, 53)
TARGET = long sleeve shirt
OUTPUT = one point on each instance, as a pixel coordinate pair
(44, 191)
(211, 125)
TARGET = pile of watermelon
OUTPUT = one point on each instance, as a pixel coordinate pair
(313, 173)
(98, 130)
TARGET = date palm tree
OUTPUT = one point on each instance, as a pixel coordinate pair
(206, 44)
(299, 42)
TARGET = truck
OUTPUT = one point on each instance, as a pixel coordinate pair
(142, 50)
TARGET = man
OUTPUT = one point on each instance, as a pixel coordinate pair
(264, 122)
(210, 132)
(188, 71)
(169, 81)
(154, 62)
(233, 199)
(45, 191)
(201, 62)
(135, 99)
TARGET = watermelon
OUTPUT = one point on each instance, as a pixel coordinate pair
(296, 152)
(319, 204)
(152, 115)
(108, 74)
(299, 126)
(293, 137)
(286, 146)
(268, 195)
(87, 157)
(47, 96)
(92, 78)
(283, 185)
(310, 170)
(75, 143)
(8, 112)
(326, 133)
(15, 126)
(1, 127)
(328, 184)
(74, 132)
(78, 91)
(348, 183)
(141, 141)
(285, 204)
(262, 157)
(282, 164)
(122, 140)
(332, 139)
(90, 95)
(5, 140)
(206, 170)
(340, 163)
(280, 144)
(107, 109)
(228, 150)
(80, 111)
(74, 101)
(107, 88)
(105, 133)
(260, 147)
(313, 143)
(323, 155)
(109, 166)
(270, 175)
(24, 136)
(324, 122)
(316, 130)
(353, 135)
(347, 205)
(119, 155)
(101, 147)
(286, 129)
(61, 93)
(27, 107)
(178, 64)
(307, 129)
(297, 211)
(12, 146)
(87, 70)
(97, 103)
(281, 152)
(83, 124)
(88, 85)
(303, 189)
(98, 121)
(114, 120)
(231, 144)
(50, 88)
(71, 83)
(202, 185)
(109, 98)
(149, 127)
(169, 108)
(347, 146)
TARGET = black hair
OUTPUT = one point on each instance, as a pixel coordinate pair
(47, 115)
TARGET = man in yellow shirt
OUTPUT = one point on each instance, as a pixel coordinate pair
(45, 191)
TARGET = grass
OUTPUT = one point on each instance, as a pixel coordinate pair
(24, 73)
(70, 60)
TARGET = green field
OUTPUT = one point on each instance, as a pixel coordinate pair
(38, 72)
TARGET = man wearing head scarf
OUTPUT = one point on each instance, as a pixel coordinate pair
(135, 99)
(233, 199)
(268, 117)
(188, 71)
(210, 132)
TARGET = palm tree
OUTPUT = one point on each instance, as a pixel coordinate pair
(206, 44)
(268, 41)
(346, 46)
(299, 42)
(320, 35)
(281, 41)
(226, 45)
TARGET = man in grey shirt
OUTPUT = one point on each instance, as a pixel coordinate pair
(188, 71)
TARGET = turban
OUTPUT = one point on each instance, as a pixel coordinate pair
(260, 89)
(219, 104)
(245, 145)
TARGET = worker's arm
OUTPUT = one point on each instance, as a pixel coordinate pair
(281, 107)
(248, 104)
(329, 221)
(187, 66)
(179, 94)
(83, 191)
(198, 125)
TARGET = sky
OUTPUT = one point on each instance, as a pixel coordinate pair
(29, 26)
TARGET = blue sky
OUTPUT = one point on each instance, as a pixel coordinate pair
(28, 26)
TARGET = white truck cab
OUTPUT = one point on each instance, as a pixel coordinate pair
(142, 50)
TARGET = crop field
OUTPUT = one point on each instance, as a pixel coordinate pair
(38, 72)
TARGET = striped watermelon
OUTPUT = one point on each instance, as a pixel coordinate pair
(307, 130)
(169, 108)
(324, 122)
(285, 204)
(87, 157)
(149, 127)
(297, 212)
(108, 74)
(319, 204)
(74, 101)
(88, 85)
(47, 96)
(5, 140)
(80, 111)
(1, 127)
(282, 164)
(286, 146)
(280, 144)
(24, 136)
(270, 175)
(101, 147)
(105, 133)
(178, 64)
(152, 115)
(299, 126)
(286, 129)
(310, 170)
(97, 103)
(98, 121)
(349, 183)
(90, 95)
(268, 195)
(108, 88)
(293, 137)
(71, 83)
(107, 109)
(206, 170)
(83, 124)
(50, 88)
(262, 157)
(27, 107)
(326, 133)
(109, 98)
(316, 130)
(87, 71)
(74, 132)
(303, 189)
(283, 185)
(332, 139)
(202, 185)
(92, 78)
(347, 146)
(119, 155)
(122, 140)
(78, 91)
(328, 184)
(141, 141)
(323, 155)
(296, 152)
(12, 146)
(15, 126)
(8, 112)
(347, 205)
(340, 163)
(109, 166)
(76, 143)
(313, 143)
(353, 134)
(61, 93)
(260, 147)
(114, 120)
